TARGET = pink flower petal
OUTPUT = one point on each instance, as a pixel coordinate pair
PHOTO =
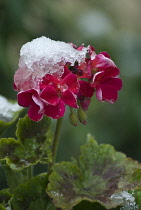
(111, 72)
(77, 48)
(25, 97)
(103, 76)
(86, 89)
(91, 51)
(114, 82)
(106, 93)
(49, 80)
(105, 54)
(86, 69)
(15, 87)
(97, 78)
(66, 72)
(71, 81)
(69, 98)
(34, 113)
(99, 93)
(50, 95)
(102, 63)
(37, 100)
(57, 111)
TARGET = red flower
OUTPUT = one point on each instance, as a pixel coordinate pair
(55, 94)
(58, 92)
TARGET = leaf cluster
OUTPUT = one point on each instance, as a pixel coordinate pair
(31, 146)
(101, 178)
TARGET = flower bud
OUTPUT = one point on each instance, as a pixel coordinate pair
(73, 118)
(82, 115)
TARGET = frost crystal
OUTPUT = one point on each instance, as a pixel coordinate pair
(7, 109)
(49, 56)
(124, 198)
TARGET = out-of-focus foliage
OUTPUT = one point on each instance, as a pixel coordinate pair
(112, 26)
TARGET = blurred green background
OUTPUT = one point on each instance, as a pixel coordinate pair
(112, 26)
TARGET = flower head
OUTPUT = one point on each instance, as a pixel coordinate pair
(53, 74)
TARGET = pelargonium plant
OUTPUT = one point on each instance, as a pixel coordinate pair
(51, 76)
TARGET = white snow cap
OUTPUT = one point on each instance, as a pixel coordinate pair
(49, 55)
(44, 56)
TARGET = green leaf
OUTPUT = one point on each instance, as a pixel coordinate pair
(5, 197)
(33, 144)
(137, 195)
(32, 195)
(9, 111)
(86, 205)
(2, 207)
(101, 175)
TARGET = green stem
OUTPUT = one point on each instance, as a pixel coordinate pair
(30, 172)
(55, 142)
(56, 138)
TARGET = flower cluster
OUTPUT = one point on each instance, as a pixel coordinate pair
(54, 74)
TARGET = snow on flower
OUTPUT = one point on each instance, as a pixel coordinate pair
(53, 74)
(44, 56)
